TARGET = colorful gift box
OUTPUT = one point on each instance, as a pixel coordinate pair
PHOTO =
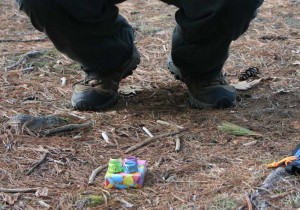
(122, 180)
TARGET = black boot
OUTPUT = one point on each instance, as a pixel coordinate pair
(96, 92)
(212, 93)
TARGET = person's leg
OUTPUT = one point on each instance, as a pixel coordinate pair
(200, 46)
(93, 34)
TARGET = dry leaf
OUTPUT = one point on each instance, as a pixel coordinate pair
(296, 63)
(130, 89)
(42, 192)
(125, 204)
(251, 143)
(245, 85)
(11, 199)
(57, 66)
(295, 124)
(44, 204)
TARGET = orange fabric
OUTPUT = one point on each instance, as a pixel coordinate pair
(284, 161)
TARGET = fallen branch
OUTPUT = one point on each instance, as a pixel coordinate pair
(19, 190)
(258, 198)
(23, 58)
(37, 164)
(151, 139)
(69, 127)
(95, 172)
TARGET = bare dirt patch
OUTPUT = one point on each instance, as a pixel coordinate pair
(213, 170)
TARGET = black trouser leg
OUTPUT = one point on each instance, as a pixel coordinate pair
(205, 30)
(89, 32)
(92, 33)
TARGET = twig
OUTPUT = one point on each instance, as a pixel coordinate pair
(281, 195)
(69, 127)
(263, 189)
(19, 190)
(23, 58)
(249, 204)
(95, 172)
(251, 143)
(178, 198)
(151, 139)
(56, 161)
(159, 161)
(177, 147)
(273, 38)
(105, 137)
(44, 204)
(103, 190)
(37, 164)
(148, 132)
(196, 181)
(170, 124)
(105, 198)
(24, 40)
(26, 70)
(273, 206)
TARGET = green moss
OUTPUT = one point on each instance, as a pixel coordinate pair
(95, 200)
(225, 204)
(89, 201)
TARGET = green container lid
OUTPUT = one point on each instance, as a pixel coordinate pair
(115, 166)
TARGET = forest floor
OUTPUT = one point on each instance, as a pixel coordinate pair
(212, 170)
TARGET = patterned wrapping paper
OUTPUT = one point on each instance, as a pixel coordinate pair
(123, 180)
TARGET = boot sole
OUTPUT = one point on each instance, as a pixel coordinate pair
(83, 105)
(223, 102)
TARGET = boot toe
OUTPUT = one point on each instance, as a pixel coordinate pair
(92, 100)
(221, 96)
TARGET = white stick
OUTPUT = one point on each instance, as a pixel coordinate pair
(165, 49)
(170, 124)
(177, 147)
(105, 137)
(251, 143)
(147, 131)
(44, 204)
